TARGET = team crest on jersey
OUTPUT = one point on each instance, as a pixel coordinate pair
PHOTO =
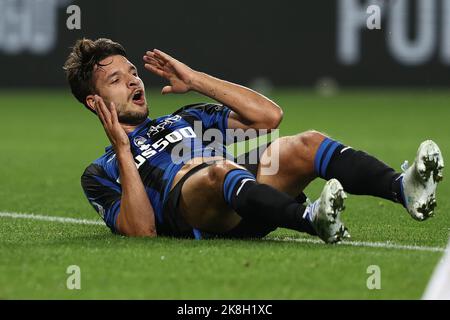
(162, 125)
(139, 141)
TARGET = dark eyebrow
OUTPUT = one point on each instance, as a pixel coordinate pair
(115, 73)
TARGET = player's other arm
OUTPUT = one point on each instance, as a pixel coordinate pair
(136, 217)
(249, 108)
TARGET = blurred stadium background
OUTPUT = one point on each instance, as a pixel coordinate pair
(284, 42)
(383, 90)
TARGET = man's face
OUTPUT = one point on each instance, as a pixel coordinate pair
(116, 80)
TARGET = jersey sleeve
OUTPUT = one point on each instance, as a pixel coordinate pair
(211, 115)
(102, 193)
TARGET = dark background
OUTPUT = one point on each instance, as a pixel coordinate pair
(288, 43)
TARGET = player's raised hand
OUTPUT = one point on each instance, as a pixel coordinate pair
(177, 73)
(108, 117)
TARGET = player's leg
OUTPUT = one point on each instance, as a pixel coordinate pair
(293, 158)
(308, 155)
(202, 204)
(218, 198)
(361, 173)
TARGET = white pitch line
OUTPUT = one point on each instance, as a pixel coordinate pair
(32, 216)
(383, 245)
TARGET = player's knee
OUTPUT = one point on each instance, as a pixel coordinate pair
(218, 171)
(307, 144)
(311, 138)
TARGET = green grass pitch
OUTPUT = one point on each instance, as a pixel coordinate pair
(47, 139)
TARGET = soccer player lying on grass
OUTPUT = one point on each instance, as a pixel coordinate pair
(141, 189)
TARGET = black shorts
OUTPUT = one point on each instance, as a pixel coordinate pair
(175, 225)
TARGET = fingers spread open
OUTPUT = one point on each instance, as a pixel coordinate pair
(161, 55)
(153, 62)
(156, 70)
(152, 55)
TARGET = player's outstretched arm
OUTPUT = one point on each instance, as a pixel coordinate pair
(136, 217)
(250, 109)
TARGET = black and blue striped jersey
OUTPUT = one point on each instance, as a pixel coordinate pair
(160, 148)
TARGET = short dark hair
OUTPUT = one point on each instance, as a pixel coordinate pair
(80, 63)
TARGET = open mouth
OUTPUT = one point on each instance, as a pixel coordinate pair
(138, 97)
